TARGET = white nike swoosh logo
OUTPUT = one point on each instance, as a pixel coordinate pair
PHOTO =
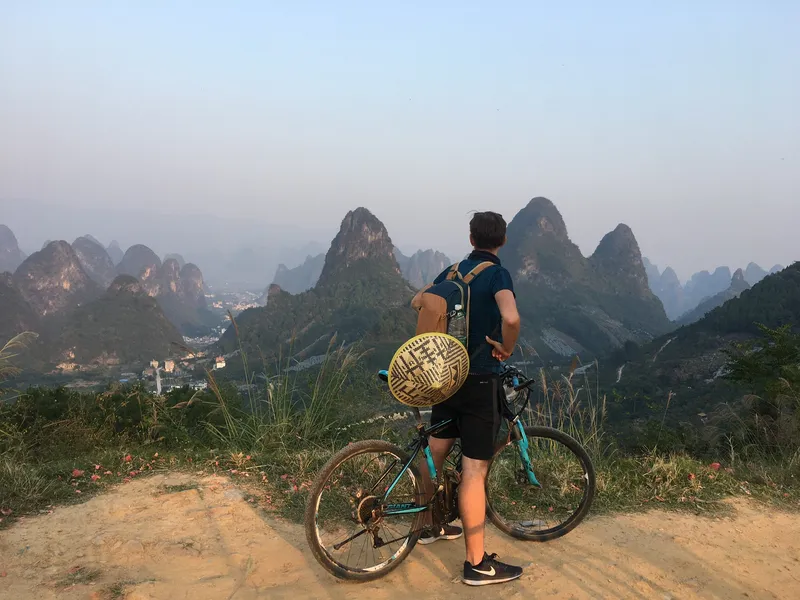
(489, 573)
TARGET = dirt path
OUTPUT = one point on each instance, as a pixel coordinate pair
(141, 543)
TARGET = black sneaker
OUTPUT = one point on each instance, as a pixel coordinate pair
(448, 532)
(490, 571)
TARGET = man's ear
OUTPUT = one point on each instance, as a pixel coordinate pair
(471, 241)
(505, 239)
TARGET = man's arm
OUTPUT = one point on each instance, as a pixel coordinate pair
(511, 325)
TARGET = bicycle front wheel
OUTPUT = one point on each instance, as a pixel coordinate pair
(344, 521)
(555, 507)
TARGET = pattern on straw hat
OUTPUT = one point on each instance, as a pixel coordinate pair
(428, 369)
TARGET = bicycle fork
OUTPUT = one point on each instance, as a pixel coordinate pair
(520, 439)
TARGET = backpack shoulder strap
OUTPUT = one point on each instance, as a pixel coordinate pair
(453, 273)
(477, 271)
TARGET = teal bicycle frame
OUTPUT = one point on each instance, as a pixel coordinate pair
(518, 438)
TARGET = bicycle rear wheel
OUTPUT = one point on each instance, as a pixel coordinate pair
(345, 527)
(558, 505)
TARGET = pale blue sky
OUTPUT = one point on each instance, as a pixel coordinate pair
(680, 119)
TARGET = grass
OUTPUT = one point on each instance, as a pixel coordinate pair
(180, 487)
(570, 404)
(78, 576)
(59, 446)
(681, 482)
(120, 588)
(657, 476)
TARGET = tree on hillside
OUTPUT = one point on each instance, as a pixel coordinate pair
(768, 364)
(769, 368)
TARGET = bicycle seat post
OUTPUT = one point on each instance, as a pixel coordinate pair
(417, 417)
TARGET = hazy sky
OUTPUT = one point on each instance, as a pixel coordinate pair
(680, 119)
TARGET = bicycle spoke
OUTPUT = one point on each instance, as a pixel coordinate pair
(382, 477)
(348, 540)
(353, 495)
(529, 511)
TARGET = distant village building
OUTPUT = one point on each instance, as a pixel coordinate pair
(154, 364)
(198, 385)
(169, 365)
(127, 377)
(219, 362)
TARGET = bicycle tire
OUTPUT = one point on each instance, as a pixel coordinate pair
(312, 538)
(577, 516)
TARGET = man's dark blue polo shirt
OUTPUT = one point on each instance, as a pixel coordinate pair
(484, 317)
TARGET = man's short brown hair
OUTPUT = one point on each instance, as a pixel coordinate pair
(488, 230)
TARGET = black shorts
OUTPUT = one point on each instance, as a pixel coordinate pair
(475, 410)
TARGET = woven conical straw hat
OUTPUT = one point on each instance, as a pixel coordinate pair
(428, 369)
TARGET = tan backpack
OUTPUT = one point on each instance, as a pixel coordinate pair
(438, 305)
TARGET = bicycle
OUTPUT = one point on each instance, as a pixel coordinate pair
(520, 502)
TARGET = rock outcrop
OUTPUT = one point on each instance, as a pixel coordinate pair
(177, 257)
(754, 273)
(360, 297)
(737, 285)
(53, 280)
(422, 267)
(576, 305)
(681, 301)
(11, 256)
(618, 260)
(125, 325)
(302, 277)
(539, 247)
(16, 315)
(671, 293)
(95, 260)
(362, 241)
(139, 261)
(181, 294)
(703, 285)
(115, 252)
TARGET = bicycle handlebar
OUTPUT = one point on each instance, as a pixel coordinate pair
(513, 375)
(516, 377)
(509, 373)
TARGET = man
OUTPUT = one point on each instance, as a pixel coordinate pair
(475, 407)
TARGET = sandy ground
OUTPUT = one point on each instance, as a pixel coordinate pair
(138, 542)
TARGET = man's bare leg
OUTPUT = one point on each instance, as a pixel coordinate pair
(472, 505)
(439, 450)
